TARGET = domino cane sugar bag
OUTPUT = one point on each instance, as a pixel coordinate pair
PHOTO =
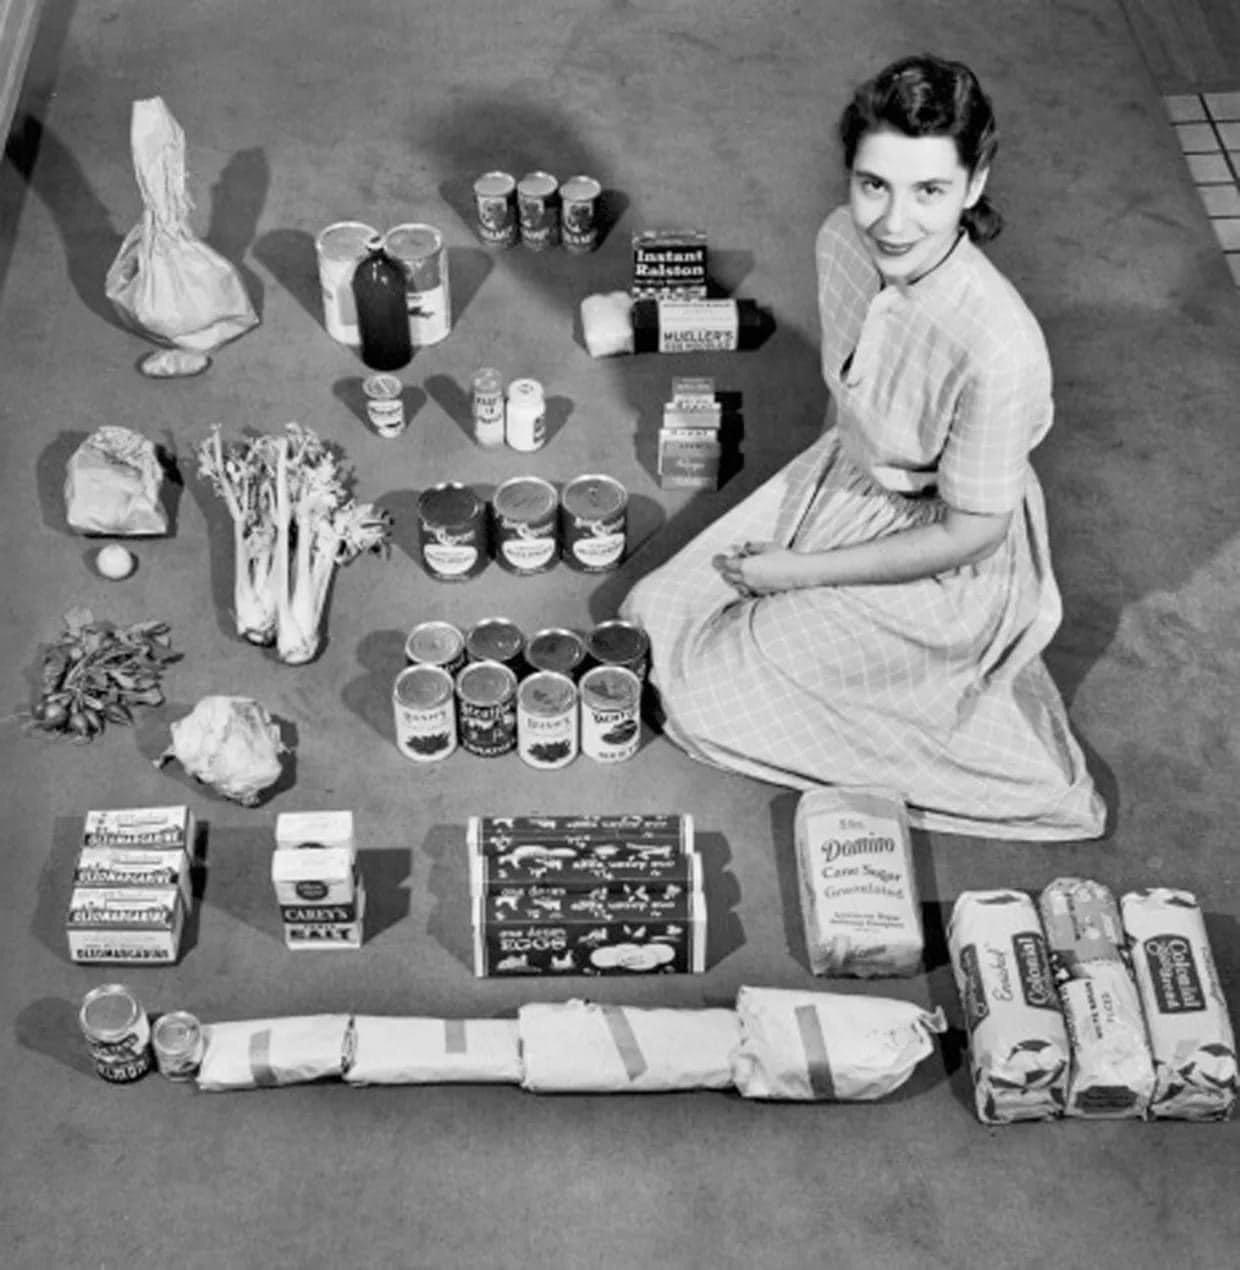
(419, 1051)
(263, 1053)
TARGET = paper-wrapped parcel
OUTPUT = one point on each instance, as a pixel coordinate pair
(424, 1051)
(261, 1053)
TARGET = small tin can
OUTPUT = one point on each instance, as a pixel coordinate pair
(579, 197)
(436, 643)
(424, 709)
(547, 727)
(486, 699)
(525, 425)
(595, 523)
(452, 531)
(384, 406)
(179, 1043)
(538, 204)
(611, 705)
(620, 643)
(526, 525)
(118, 1033)
(487, 401)
(558, 649)
(495, 201)
(340, 249)
(496, 639)
(421, 252)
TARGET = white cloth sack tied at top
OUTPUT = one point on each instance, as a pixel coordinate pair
(425, 1051)
(264, 1053)
(165, 282)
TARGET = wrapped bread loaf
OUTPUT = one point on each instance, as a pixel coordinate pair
(261, 1053)
(419, 1051)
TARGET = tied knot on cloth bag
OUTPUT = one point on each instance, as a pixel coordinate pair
(165, 282)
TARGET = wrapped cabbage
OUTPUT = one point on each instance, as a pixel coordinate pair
(229, 743)
(112, 485)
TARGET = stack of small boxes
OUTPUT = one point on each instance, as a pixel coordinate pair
(317, 881)
(132, 886)
(690, 444)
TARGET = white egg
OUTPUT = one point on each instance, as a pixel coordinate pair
(115, 561)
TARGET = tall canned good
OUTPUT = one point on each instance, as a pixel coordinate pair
(558, 649)
(118, 1033)
(595, 515)
(452, 531)
(611, 702)
(526, 525)
(525, 427)
(420, 250)
(538, 204)
(620, 643)
(486, 700)
(495, 202)
(579, 202)
(179, 1043)
(436, 643)
(547, 727)
(340, 248)
(487, 403)
(496, 639)
(424, 710)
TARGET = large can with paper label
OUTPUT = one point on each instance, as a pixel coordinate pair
(594, 511)
(452, 530)
(340, 249)
(421, 252)
(118, 1033)
(526, 525)
(611, 704)
(424, 711)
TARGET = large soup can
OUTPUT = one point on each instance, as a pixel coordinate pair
(611, 701)
(579, 199)
(526, 524)
(452, 530)
(594, 512)
(538, 204)
(340, 249)
(420, 250)
(179, 1044)
(496, 639)
(436, 643)
(424, 710)
(118, 1033)
(495, 203)
(556, 648)
(486, 698)
(620, 643)
(547, 727)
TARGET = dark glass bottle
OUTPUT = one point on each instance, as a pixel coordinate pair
(382, 316)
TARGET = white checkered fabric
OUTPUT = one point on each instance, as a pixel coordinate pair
(935, 688)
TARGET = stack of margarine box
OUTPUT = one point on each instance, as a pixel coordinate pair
(690, 446)
(317, 882)
(131, 886)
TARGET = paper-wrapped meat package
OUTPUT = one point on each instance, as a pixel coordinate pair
(1018, 1043)
(583, 1047)
(1190, 1033)
(420, 1051)
(1112, 1074)
(261, 1053)
(828, 1046)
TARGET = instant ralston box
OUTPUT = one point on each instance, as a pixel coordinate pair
(669, 264)
(134, 924)
(316, 880)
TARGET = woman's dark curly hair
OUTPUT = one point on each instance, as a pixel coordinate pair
(928, 96)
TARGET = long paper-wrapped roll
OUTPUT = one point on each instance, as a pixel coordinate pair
(1018, 1044)
(583, 1047)
(818, 1046)
(260, 1053)
(1190, 1033)
(420, 1051)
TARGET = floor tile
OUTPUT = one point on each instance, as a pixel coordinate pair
(1227, 231)
(1197, 138)
(1220, 200)
(1230, 135)
(1208, 168)
(1186, 108)
(1233, 262)
(1222, 105)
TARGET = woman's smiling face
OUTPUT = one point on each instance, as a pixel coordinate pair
(907, 195)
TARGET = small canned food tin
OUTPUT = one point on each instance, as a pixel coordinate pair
(525, 424)
(556, 649)
(436, 644)
(487, 401)
(579, 198)
(384, 407)
(421, 252)
(452, 530)
(496, 639)
(595, 523)
(611, 704)
(486, 698)
(424, 708)
(495, 201)
(620, 643)
(179, 1043)
(118, 1033)
(526, 525)
(340, 249)
(547, 728)
(538, 204)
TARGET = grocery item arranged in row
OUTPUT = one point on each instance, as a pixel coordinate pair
(538, 211)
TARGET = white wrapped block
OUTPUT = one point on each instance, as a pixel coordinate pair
(262, 1053)
(427, 1051)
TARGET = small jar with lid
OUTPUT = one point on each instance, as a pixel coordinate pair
(525, 425)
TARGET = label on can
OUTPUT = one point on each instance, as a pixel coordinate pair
(579, 197)
(340, 248)
(424, 710)
(486, 694)
(487, 399)
(178, 1042)
(436, 644)
(384, 406)
(118, 1033)
(538, 205)
(595, 515)
(611, 728)
(495, 639)
(547, 735)
(495, 202)
(620, 643)
(526, 525)
(452, 531)
(558, 649)
(420, 250)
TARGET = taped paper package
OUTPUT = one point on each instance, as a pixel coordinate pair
(828, 1046)
(261, 1053)
(113, 485)
(583, 1047)
(422, 1051)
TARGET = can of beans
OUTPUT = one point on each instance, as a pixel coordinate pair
(579, 197)
(526, 525)
(495, 201)
(118, 1033)
(436, 643)
(179, 1043)
(487, 401)
(340, 249)
(452, 531)
(558, 649)
(384, 407)
(594, 513)
(424, 709)
(611, 705)
(496, 639)
(420, 251)
(547, 728)
(620, 643)
(538, 205)
(486, 697)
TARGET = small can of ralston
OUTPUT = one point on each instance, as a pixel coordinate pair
(556, 648)
(620, 643)
(538, 205)
(611, 701)
(495, 203)
(452, 530)
(496, 639)
(424, 711)
(179, 1044)
(487, 403)
(547, 727)
(384, 405)
(436, 643)
(526, 525)
(594, 511)
(579, 204)
(118, 1033)
(486, 697)
(421, 252)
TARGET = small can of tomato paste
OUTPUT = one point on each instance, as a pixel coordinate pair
(496, 639)
(594, 515)
(526, 525)
(558, 649)
(424, 710)
(452, 530)
(436, 644)
(118, 1033)
(420, 251)
(495, 202)
(579, 197)
(611, 702)
(486, 697)
(620, 643)
(179, 1044)
(538, 205)
(547, 728)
